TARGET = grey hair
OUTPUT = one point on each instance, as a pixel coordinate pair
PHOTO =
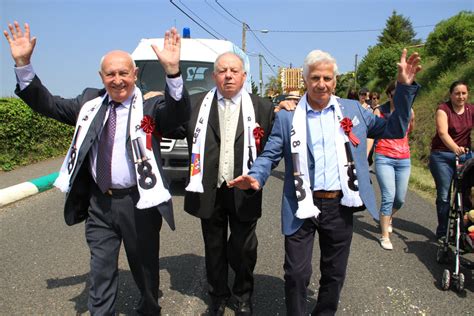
(317, 57)
(103, 57)
(229, 53)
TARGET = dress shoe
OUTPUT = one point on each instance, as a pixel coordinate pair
(217, 308)
(244, 308)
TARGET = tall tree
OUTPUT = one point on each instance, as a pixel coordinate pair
(398, 30)
(254, 87)
(273, 86)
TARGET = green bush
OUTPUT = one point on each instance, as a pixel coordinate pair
(27, 137)
(452, 41)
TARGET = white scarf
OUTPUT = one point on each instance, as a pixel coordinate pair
(149, 180)
(304, 194)
(199, 139)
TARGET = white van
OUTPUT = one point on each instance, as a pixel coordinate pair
(197, 65)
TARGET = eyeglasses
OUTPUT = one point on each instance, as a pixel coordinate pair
(375, 98)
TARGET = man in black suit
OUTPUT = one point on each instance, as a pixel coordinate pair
(229, 143)
(112, 172)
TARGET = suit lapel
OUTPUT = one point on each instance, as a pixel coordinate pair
(214, 119)
(96, 126)
(240, 126)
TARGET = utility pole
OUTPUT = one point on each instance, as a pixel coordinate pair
(245, 28)
(260, 72)
(244, 34)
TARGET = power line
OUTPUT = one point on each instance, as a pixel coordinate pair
(337, 31)
(202, 20)
(222, 15)
(228, 12)
(245, 25)
(269, 66)
(266, 62)
(193, 20)
(268, 51)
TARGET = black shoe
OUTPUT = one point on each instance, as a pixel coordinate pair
(244, 308)
(217, 308)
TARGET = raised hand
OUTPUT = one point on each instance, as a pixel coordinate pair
(408, 68)
(170, 54)
(244, 182)
(21, 45)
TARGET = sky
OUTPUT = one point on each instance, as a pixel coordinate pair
(72, 35)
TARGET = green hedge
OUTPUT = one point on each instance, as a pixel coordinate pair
(27, 137)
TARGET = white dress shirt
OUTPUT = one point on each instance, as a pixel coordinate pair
(121, 177)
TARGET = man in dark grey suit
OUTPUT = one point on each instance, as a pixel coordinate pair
(115, 188)
(227, 135)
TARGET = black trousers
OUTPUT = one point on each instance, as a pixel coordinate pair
(111, 220)
(239, 250)
(334, 226)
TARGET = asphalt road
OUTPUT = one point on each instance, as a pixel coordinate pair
(44, 263)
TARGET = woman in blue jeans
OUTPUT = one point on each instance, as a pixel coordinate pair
(454, 122)
(392, 167)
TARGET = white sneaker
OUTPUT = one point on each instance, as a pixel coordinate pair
(386, 243)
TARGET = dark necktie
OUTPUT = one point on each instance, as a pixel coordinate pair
(105, 149)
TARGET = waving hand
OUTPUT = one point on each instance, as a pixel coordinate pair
(21, 45)
(170, 54)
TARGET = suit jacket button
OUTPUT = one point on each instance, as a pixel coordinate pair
(217, 166)
(311, 166)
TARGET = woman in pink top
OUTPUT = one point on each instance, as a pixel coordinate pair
(392, 167)
(454, 122)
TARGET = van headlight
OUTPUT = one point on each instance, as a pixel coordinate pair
(181, 143)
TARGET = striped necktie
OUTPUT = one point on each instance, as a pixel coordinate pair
(105, 149)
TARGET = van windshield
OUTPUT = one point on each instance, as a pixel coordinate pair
(197, 76)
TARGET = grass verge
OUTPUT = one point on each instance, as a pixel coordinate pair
(422, 183)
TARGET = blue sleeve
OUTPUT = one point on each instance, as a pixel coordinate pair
(272, 153)
(396, 125)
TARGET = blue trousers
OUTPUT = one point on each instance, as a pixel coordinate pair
(443, 167)
(392, 175)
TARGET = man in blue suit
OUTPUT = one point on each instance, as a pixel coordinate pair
(327, 177)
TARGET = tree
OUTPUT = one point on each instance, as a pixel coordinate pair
(398, 30)
(452, 40)
(379, 66)
(345, 83)
(273, 86)
(254, 87)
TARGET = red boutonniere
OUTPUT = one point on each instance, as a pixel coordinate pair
(258, 133)
(346, 125)
(148, 126)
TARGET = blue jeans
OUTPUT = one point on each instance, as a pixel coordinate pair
(443, 166)
(392, 175)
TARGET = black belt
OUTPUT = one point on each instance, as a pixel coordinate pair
(121, 192)
(322, 194)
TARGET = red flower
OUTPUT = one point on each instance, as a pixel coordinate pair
(258, 133)
(346, 125)
(148, 126)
